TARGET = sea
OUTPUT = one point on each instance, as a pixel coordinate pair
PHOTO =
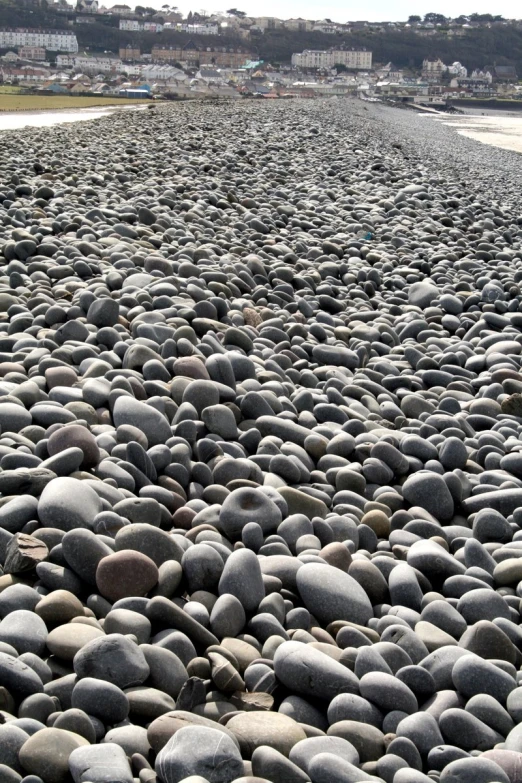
(498, 130)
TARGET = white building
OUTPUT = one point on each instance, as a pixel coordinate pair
(325, 27)
(161, 73)
(134, 26)
(87, 6)
(92, 65)
(198, 29)
(358, 59)
(458, 70)
(130, 24)
(54, 40)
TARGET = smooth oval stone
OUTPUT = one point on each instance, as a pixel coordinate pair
(17, 677)
(67, 503)
(126, 573)
(303, 752)
(472, 675)
(25, 631)
(47, 753)
(473, 770)
(269, 764)
(329, 594)
(265, 728)
(310, 672)
(327, 768)
(66, 640)
(199, 750)
(75, 436)
(242, 578)
(101, 699)
(99, 764)
(154, 426)
(387, 692)
(114, 658)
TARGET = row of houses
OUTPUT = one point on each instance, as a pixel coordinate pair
(353, 59)
(54, 40)
(195, 56)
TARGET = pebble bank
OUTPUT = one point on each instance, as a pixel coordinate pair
(260, 450)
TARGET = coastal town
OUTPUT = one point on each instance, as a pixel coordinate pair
(163, 55)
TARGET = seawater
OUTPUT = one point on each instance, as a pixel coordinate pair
(44, 119)
(498, 131)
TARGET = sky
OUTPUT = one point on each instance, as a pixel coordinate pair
(338, 11)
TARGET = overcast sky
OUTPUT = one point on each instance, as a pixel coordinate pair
(376, 10)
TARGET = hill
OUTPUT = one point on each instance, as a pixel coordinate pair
(500, 44)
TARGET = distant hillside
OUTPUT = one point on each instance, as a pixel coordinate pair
(480, 46)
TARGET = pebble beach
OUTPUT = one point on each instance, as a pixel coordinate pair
(260, 448)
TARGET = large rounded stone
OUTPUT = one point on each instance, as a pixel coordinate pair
(114, 658)
(198, 750)
(126, 573)
(67, 503)
(329, 594)
(245, 505)
(47, 752)
(265, 728)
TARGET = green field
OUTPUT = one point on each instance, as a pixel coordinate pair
(10, 101)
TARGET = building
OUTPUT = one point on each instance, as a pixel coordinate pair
(268, 23)
(432, 69)
(132, 25)
(130, 53)
(135, 26)
(503, 73)
(298, 25)
(356, 59)
(120, 10)
(54, 40)
(196, 56)
(329, 28)
(31, 53)
(87, 6)
(93, 65)
(198, 29)
(476, 86)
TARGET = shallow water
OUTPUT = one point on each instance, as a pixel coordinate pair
(498, 131)
(43, 119)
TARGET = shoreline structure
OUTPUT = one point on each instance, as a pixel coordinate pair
(260, 450)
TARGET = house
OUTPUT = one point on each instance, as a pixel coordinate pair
(329, 28)
(391, 73)
(31, 52)
(298, 25)
(130, 53)
(87, 6)
(357, 59)
(432, 69)
(268, 23)
(503, 73)
(209, 75)
(120, 10)
(195, 56)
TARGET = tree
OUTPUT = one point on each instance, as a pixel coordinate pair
(340, 67)
(414, 19)
(434, 18)
(235, 12)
